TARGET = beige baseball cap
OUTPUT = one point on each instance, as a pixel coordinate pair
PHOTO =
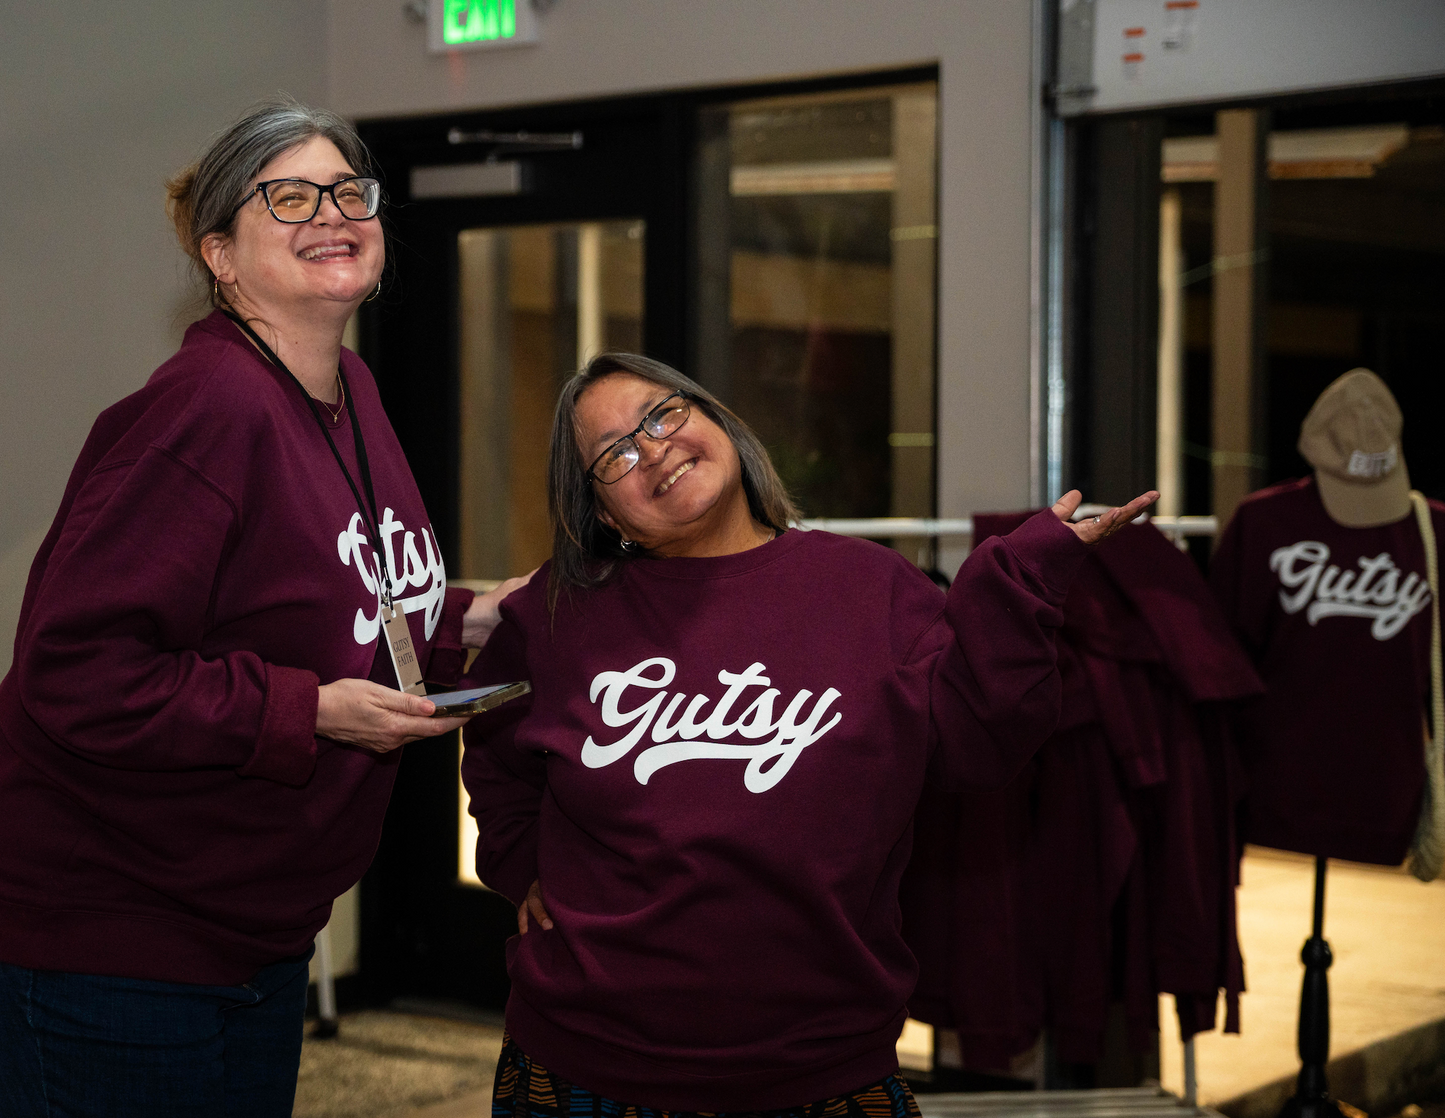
(1352, 439)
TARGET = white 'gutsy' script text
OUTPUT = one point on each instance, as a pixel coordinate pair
(786, 735)
(1375, 591)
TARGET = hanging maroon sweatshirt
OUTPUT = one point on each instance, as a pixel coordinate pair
(1109, 867)
(168, 812)
(715, 781)
(1338, 622)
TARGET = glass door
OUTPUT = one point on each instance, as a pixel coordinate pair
(816, 230)
(535, 303)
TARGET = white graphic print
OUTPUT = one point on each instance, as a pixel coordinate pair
(409, 569)
(1374, 591)
(786, 736)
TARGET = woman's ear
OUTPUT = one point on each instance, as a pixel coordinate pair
(216, 251)
(606, 518)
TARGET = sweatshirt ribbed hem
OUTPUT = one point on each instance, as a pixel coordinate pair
(623, 1076)
(1333, 840)
(78, 941)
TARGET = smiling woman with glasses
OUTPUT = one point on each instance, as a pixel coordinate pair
(585, 480)
(198, 736)
(704, 810)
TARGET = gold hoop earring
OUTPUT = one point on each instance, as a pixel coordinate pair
(375, 293)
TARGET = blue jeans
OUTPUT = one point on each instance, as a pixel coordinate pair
(87, 1046)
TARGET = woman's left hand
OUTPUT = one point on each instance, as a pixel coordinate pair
(1096, 529)
(483, 615)
(533, 905)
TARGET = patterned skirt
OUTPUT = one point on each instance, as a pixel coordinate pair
(524, 1089)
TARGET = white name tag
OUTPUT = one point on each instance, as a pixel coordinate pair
(403, 656)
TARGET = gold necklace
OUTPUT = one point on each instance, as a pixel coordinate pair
(340, 403)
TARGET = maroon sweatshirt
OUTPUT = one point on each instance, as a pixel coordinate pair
(1105, 871)
(715, 780)
(168, 812)
(1338, 622)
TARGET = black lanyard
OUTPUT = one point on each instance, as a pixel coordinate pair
(372, 525)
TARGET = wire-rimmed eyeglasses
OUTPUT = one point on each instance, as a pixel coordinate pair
(614, 463)
(295, 201)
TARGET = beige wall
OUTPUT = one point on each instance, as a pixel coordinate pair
(380, 67)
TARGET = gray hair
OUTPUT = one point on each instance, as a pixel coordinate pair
(203, 198)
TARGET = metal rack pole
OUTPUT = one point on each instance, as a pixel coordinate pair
(889, 527)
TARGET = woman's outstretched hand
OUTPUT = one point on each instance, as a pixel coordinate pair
(538, 910)
(1094, 529)
(482, 615)
(360, 712)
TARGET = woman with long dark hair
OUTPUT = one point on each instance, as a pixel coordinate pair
(704, 811)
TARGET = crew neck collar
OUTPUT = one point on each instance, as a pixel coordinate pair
(717, 566)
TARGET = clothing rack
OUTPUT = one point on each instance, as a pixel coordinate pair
(1177, 528)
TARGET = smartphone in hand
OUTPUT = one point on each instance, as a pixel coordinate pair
(450, 704)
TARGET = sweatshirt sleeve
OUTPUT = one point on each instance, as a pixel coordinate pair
(995, 686)
(108, 664)
(505, 781)
(448, 656)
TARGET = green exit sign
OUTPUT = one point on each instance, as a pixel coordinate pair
(470, 24)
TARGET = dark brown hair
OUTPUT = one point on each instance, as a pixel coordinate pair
(202, 199)
(585, 552)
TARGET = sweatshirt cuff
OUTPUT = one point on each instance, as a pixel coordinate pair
(1051, 549)
(514, 877)
(286, 746)
(448, 657)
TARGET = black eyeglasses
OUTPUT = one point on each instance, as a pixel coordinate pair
(614, 463)
(295, 201)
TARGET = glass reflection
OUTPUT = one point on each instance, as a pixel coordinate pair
(815, 233)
